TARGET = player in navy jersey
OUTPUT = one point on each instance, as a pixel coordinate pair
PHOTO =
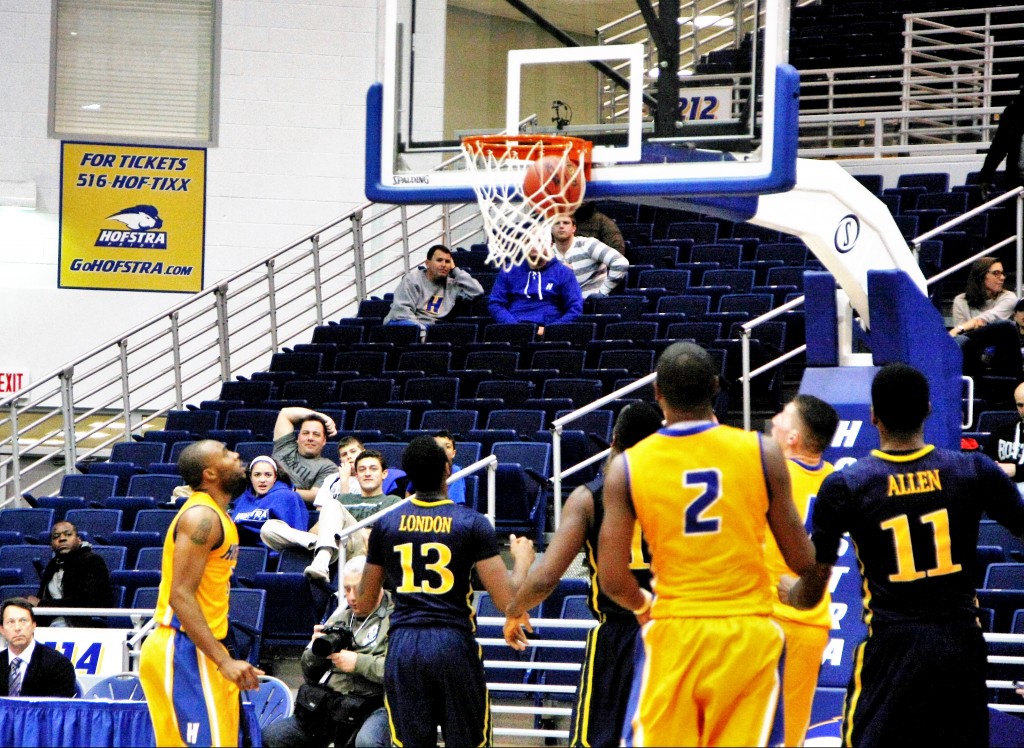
(600, 706)
(912, 511)
(433, 674)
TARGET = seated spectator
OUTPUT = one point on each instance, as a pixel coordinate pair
(982, 321)
(592, 222)
(300, 453)
(267, 497)
(74, 578)
(357, 672)
(429, 293)
(338, 511)
(28, 667)
(1006, 444)
(599, 268)
(349, 448)
(456, 489)
(542, 291)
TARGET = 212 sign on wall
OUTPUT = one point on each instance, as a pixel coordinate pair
(713, 104)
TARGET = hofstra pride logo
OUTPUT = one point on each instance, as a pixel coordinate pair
(142, 222)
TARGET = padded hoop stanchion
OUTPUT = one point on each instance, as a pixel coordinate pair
(514, 224)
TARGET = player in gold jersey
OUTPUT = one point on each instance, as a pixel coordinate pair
(704, 495)
(803, 429)
(190, 679)
(608, 661)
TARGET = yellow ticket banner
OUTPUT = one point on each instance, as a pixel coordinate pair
(132, 217)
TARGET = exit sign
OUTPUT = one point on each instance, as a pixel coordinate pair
(12, 380)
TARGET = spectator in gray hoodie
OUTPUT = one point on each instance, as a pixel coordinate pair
(428, 293)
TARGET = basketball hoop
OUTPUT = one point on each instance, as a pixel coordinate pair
(545, 177)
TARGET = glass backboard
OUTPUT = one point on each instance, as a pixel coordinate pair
(702, 104)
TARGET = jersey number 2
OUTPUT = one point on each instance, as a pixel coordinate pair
(439, 567)
(906, 571)
(693, 523)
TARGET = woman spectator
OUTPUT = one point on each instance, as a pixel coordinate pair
(983, 321)
(267, 497)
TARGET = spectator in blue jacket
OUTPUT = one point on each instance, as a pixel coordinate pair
(542, 290)
(267, 497)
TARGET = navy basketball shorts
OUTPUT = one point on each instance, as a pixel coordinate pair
(918, 684)
(600, 707)
(434, 677)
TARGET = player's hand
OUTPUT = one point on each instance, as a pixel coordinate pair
(344, 661)
(515, 636)
(242, 674)
(784, 587)
(522, 550)
(345, 474)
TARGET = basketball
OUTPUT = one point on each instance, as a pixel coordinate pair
(552, 187)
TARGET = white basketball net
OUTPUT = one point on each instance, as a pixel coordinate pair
(514, 224)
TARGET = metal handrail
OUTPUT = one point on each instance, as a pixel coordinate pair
(746, 328)
(230, 328)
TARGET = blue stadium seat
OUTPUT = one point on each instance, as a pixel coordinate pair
(30, 559)
(120, 687)
(246, 612)
(92, 488)
(27, 523)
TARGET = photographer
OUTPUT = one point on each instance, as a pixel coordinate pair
(347, 709)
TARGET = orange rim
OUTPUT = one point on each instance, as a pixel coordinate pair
(526, 147)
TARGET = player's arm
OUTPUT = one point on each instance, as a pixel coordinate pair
(197, 533)
(615, 544)
(497, 580)
(543, 576)
(370, 585)
(789, 532)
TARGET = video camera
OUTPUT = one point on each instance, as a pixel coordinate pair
(336, 638)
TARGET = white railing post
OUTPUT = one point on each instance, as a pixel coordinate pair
(317, 289)
(556, 473)
(125, 394)
(15, 451)
(492, 474)
(272, 305)
(67, 410)
(1019, 239)
(179, 397)
(358, 256)
(745, 358)
(221, 301)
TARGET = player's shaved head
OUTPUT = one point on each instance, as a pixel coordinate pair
(194, 459)
(687, 377)
(900, 398)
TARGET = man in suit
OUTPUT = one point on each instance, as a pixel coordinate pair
(28, 668)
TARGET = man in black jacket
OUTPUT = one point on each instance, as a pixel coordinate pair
(28, 667)
(1006, 143)
(74, 578)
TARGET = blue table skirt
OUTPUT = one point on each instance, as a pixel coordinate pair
(85, 722)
